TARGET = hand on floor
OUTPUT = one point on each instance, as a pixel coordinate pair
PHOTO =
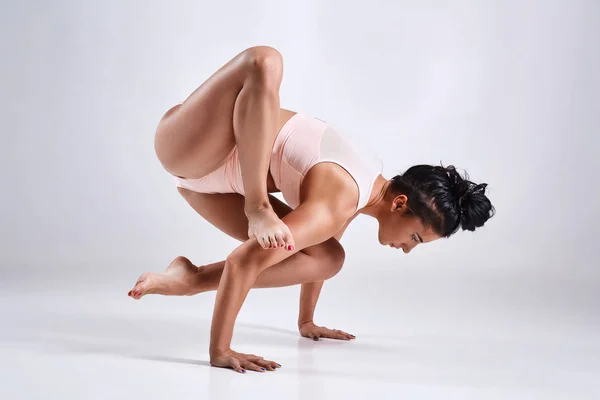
(243, 362)
(310, 330)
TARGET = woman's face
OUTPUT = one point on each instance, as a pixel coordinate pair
(400, 231)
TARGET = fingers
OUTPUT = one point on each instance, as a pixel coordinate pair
(330, 334)
(268, 365)
(350, 336)
(336, 334)
(250, 366)
(343, 335)
(261, 362)
(237, 367)
(313, 335)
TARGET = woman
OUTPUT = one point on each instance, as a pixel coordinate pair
(229, 144)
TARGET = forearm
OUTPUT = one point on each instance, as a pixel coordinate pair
(310, 223)
(235, 283)
(309, 295)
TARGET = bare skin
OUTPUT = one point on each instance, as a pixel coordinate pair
(234, 102)
(319, 261)
(237, 106)
(183, 278)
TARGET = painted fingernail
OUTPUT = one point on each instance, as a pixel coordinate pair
(279, 365)
(263, 369)
(243, 371)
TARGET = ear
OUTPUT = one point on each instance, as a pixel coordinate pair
(399, 203)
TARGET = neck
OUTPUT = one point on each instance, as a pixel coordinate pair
(376, 201)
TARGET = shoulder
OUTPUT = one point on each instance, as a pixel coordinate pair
(336, 192)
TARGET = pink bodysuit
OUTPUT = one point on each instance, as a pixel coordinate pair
(300, 144)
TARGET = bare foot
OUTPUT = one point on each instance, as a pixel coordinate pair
(177, 280)
(270, 231)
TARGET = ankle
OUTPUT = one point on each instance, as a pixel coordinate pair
(198, 284)
(252, 207)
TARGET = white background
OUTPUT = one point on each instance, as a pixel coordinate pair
(506, 90)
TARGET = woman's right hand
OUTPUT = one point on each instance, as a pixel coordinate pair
(242, 362)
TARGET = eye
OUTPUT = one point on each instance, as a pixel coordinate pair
(413, 237)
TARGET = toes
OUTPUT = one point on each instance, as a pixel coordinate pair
(139, 290)
(263, 242)
(280, 241)
(289, 242)
(136, 292)
(273, 241)
(268, 242)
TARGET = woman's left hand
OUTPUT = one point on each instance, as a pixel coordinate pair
(310, 330)
(241, 362)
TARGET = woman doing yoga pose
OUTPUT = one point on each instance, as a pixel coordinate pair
(229, 145)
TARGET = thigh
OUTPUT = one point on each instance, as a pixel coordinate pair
(225, 211)
(193, 138)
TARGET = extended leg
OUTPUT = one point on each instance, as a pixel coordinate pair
(226, 212)
(182, 278)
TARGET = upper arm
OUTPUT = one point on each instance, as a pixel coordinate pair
(313, 222)
(338, 236)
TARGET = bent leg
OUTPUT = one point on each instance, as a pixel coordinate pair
(237, 105)
(225, 212)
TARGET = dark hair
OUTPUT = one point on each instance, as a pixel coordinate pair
(442, 199)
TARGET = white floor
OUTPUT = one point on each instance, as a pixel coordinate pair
(453, 337)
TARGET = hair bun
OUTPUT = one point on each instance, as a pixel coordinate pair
(470, 197)
(442, 198)
(458, 185)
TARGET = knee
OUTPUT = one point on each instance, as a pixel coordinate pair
(334, 257)
(241, 262)
(265, 64)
